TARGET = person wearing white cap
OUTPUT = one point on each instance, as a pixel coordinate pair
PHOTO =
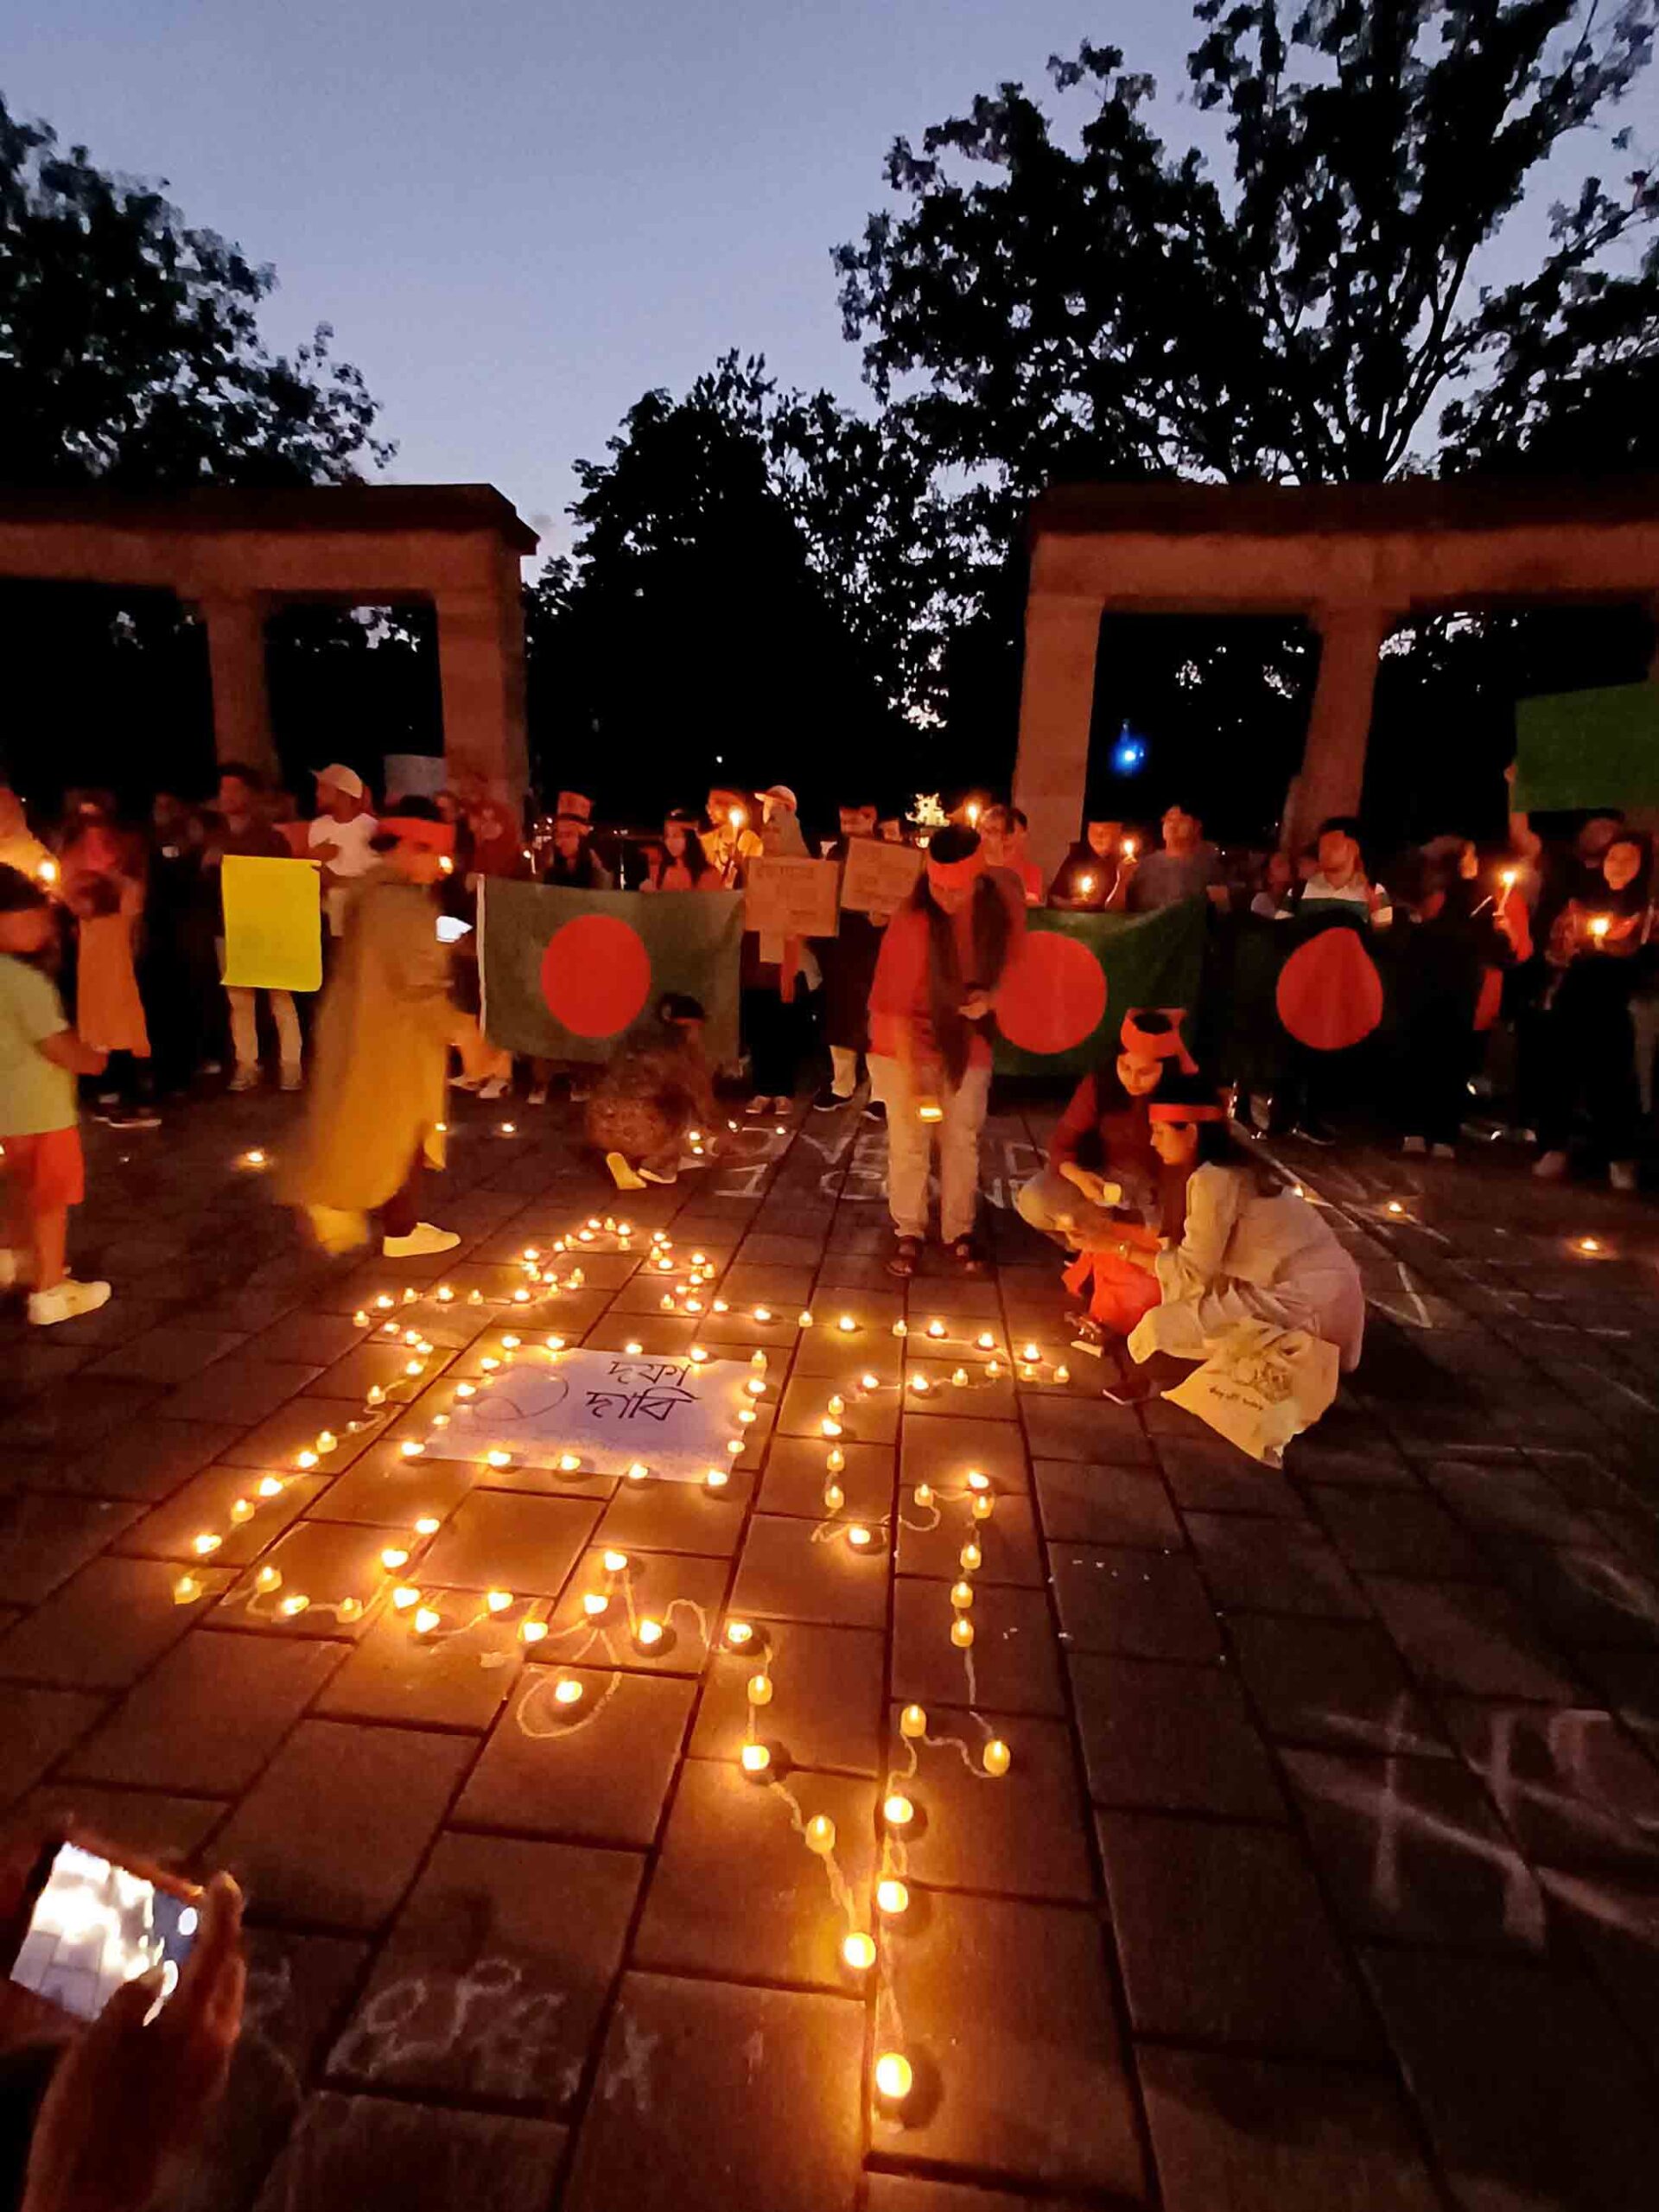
(341, 836)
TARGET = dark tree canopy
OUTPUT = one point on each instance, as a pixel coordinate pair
(130, 346)
(1093, 305)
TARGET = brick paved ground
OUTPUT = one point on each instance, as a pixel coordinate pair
(1326, 1873)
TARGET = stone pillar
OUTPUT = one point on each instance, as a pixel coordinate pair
(236, 662)
(1333, 760)
(481, 668)
(1057, 704)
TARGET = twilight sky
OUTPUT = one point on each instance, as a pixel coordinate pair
(519, 215)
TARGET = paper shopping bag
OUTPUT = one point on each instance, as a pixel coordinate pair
(1260, 1387)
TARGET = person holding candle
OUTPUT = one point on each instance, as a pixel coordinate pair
(1602, 947)
(1092, 878)
(942, 963)
(729, 840)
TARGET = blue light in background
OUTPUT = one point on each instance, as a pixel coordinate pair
(1129, 754)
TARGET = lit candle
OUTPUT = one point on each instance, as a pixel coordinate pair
(913, 1722)
(404, 1596)
(891, 1896)
(859, 1536)
(821, 1835)
(848, 1323)
(898, 1811)
(961, 1632)
(936, 1328)
(758, 1689)
(858, 1950)
(648, 1634)
(531, 1632)
(756, 1758)
(567, 1692)
(498, 1600)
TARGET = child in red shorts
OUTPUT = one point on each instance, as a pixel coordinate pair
(40, 1057)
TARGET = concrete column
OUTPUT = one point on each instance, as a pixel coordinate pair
(1333, 760)
(236, 662)
(1057, 704)
(481, 668)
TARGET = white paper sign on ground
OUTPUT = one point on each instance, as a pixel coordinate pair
(663, 1413)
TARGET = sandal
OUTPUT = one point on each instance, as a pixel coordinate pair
(906, 1254)
(966, 1253)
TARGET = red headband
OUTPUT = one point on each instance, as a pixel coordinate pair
(1158, 1044)
(1173, 1113)
(949, 875)
(412, 830)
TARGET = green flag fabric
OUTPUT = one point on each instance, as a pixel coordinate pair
(1077, 976)
(1588, 748)
(568, 975)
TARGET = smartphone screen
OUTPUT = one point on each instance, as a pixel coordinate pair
(96, 1925)
(452, 929)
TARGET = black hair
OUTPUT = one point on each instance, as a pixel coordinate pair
(413, 809)
(696, 862)
(955, 842)
(252, 777)
(680, 1006)
(1017, 815)
(20, 893)
(1346, 825)
(1216, 1147)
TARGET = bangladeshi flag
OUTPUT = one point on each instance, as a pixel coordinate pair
(567, 974)
(1075, 975)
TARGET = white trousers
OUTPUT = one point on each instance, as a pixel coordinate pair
(244, 1028)
(909, 1147)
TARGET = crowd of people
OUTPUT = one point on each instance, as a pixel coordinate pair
(1528, 974)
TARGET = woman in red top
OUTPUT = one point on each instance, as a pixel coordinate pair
(942, 963)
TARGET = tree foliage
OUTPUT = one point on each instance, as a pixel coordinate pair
(130, 345)
(1046, 307)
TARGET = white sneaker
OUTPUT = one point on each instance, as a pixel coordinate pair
(245, 1079)
(1549, 1167)
(292, 1079)
(497, 1087)
(1415, 1146)
(1621, 1174)
(65, 1300)
(758, 1104)
(538, 1095)
(1445, 1151)
(423, 1239)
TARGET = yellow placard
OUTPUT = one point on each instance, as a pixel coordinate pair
(880, 877)
(788, 898)
(273, 925)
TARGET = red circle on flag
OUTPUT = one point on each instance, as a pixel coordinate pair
(1330, 994)
(595, 975)
(1054, 995)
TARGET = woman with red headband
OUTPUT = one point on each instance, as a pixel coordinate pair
(381, 1051)
(1104, 1183)
(1238, 1254)
(941, 965)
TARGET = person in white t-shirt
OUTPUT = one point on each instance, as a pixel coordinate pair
(341, 836)
(1340, 879)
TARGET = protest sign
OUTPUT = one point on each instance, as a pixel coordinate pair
(273, 925)
(879, 876)
(1588, 748)
(790, 898)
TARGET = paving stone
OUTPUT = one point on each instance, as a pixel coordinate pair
(783, 1573)
(169, 1353)
(598, 1772)
(497, 1540)
(146, 1463)
(329, 1564)
(1515, 1499)
(491, 1984)
(458, 1678)
(1614, 1921)
(1256, 2135)
(347, 2151)
(44, 1539)
(694, 2083)
(798, 1470)
(40, 1724)
(1011, 1666)
(1021, 1835)
(384, 1490)
(1558, 2111)
(942, 1449)
(1569, 1782)
(171, 1830)
(1362, 1459)
(736, 1892)
(982, 1397)
(78, 1412)
(1171, 1739)
(1392, 1533)
(1411, 1849)
(239, 1389)
(682, 1591)
(105, 1625)
(1147, 1604)
(276, 1443)
(1264, 1566)
(1086, 1504)
(873, 1420)
(1223, 1939)
(1582, 1594)
(1334, 1683)
(203, 1505)
(370, 1797)
(1204, 1482)
(1091, 1430)
(313, 1340)
(1019, 2073)
(664, 1516)
(209, 1715)
(902, 2193)
(1463, 1636)
(1007, 1542)
(826, 1703)
(841, 1360)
